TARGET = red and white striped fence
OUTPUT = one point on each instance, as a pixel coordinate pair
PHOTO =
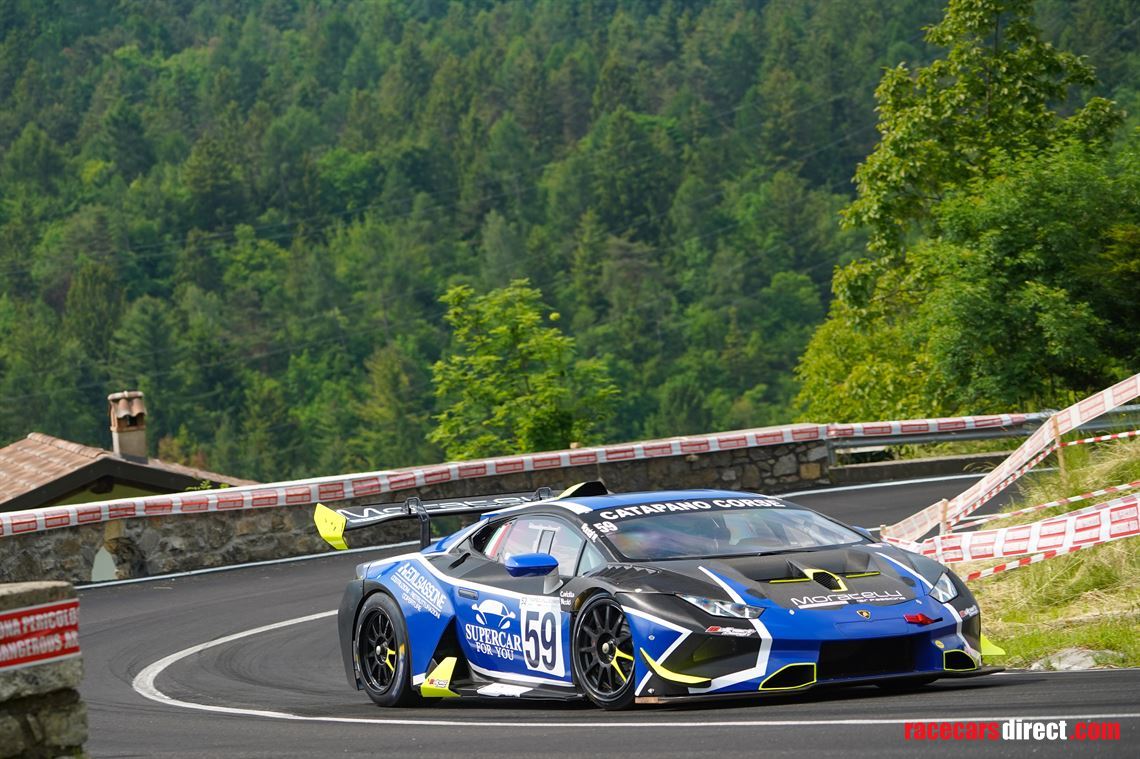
(1092, 525)
(1059, 502)
(1039, 445)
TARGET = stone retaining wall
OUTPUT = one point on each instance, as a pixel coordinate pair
(41, 714)
(158, 545)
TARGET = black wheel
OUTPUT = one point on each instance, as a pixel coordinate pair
(603, 653)
(906, 686)
(380, 644)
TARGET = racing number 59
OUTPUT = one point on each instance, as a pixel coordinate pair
(542, 635)
(538, 640)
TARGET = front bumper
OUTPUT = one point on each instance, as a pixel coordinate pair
(979, 672)
(682, 655)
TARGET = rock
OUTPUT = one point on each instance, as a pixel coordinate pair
(21, 594)
(786, 465)
(11, 737)
(1075, 658)
(40, 679)
(817, 452)
(64, 726)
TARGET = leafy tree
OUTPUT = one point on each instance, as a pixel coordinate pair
(512, 384)
(94, 306)
(988, 310)
(393, 412)
(947, 123)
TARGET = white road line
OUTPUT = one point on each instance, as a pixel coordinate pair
(144, 685)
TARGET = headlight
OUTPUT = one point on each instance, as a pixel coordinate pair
(944, 590)
(723, 608)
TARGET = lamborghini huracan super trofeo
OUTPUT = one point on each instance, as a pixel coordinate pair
(644, 597)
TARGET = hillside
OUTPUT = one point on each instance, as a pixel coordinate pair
(250, 211)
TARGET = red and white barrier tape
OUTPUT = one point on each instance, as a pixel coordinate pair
(1092, 525)
(1060, 502)
(925, 426)
(1042, 442)
(1022, 562)
(1101, 438)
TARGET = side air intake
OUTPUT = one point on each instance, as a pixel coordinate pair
(791, 676)
(958, 661)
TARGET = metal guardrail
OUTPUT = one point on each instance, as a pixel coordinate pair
(1117, 419)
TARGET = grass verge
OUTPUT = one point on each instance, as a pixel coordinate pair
(1090, 599)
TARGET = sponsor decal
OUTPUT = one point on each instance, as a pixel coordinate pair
(841, 599)
(493, 636)
(646, 509)
(493, 613)
(864, 613)
(368, 513)
(39, 633)
(940, 644)
(538, 643)
(731, 632)
(419, 592)
(969, 611)
(493, 642)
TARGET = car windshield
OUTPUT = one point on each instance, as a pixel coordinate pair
(692, 534)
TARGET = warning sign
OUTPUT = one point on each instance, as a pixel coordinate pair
(36, 634)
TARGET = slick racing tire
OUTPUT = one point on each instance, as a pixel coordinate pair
(380, 647)
(602, 653)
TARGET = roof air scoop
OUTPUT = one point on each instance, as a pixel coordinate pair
(584, 489)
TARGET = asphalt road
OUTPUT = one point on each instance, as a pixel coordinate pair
(281, 691)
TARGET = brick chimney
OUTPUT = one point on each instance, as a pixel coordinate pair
(128, 424)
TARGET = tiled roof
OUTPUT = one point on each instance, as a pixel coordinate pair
(38, 460)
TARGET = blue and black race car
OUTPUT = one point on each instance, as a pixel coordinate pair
(647, 598)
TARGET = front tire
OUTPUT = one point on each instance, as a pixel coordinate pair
(603, 653)
(380, 645)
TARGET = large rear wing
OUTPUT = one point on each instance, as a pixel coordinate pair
(333, 523)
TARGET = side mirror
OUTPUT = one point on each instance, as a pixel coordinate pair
(865, 533)
(531, 565)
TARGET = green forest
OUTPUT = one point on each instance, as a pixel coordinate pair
(339, 236)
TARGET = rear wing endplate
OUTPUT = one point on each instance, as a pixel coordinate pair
(333, 523)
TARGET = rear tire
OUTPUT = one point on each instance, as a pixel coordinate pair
(380, 647)
(602, 653)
